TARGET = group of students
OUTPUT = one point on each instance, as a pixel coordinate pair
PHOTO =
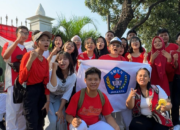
(50, 82)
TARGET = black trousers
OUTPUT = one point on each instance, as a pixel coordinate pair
(34, 100)
(145, 123)
(175, 99)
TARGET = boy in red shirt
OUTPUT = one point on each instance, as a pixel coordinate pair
(91, 107)
(14, 117)
(114, 48)
(176, 86)
(169, 47)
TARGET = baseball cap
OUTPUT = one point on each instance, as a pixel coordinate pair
(38, 35)
(115, 39)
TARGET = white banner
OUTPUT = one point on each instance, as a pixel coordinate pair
(117, 78)
(28, 45)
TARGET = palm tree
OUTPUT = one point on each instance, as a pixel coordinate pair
(67, 29)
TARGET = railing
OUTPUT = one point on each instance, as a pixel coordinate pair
(16, 20)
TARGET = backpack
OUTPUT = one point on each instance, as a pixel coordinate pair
(82, 94)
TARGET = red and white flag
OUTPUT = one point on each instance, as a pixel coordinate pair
(8, 34)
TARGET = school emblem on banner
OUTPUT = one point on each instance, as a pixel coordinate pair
(117, 81)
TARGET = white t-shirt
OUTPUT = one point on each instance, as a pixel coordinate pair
(46, 54)
(64, 89)
(145, 102)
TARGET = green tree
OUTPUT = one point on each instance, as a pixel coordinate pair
(145, 16)
(166, 15)
(134, 12)
(75, 26)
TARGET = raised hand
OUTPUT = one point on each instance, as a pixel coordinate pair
(20, 37)
(132, 93)
(129, 57)
(175, 56)
(33, 55)
(54, 66)
(145, 57)
(55, 50)
(154, 55)
(166, 54)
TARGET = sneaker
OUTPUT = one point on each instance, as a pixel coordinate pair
(2, 127)
(176, 127)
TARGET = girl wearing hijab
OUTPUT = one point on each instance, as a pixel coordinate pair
(56, 47)
(160, 61)
(77, 40)
(101, 46)
(136, 53)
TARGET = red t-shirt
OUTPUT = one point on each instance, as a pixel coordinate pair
(108, 57)
(91, 108)
(84, 56)
(171, 47)
(136, 59)
(17, 51)
(177, 71)
(38, 73)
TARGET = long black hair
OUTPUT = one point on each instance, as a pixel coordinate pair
(85, 42)
(70, 66)
(53, 44)
(140, 47)
(74, 54)
(104, 51)
(149, 83)
(127, 46)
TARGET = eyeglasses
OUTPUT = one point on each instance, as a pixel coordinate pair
(116, 45)
(25, 33)
(76, 40)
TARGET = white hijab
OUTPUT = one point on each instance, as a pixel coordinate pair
(79, 50)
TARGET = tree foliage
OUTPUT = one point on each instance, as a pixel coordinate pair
(166, 16)
(75, 26)
(145, 16)
(125, 11)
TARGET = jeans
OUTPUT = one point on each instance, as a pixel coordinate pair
(54, 105)
(175, 99)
